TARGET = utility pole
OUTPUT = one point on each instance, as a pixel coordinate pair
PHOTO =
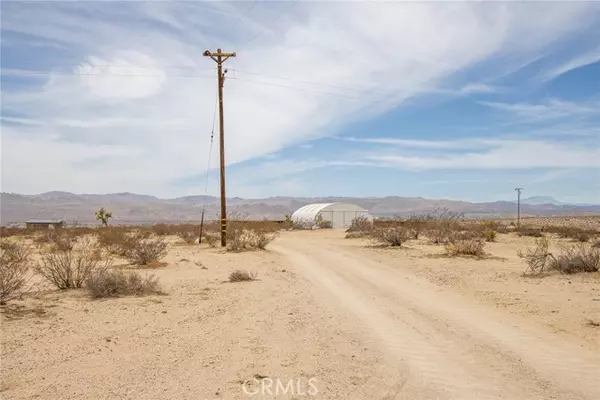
(519, 206)
(219, 57)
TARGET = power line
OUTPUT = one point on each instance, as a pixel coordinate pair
(73, 73)
(239, 18)
(261, 31)
(306, 82)
(246, 80)
(212, 136)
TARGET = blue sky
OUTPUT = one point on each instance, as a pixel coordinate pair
(433, 99)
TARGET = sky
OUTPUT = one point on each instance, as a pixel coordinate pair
(454, 100)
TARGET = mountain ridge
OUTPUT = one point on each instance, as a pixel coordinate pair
(135, 208)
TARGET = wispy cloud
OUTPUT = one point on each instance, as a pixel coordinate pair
(499, 154)
(588, 58)
(550, 109)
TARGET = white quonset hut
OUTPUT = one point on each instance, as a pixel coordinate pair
(339, 214)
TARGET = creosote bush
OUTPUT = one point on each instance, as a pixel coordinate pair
(578, 258)
(466, 247)
(110, 283)
(211, 238)
(68, 269)
(117, 241)
(359, 227)
(143, 250)
(241, 276)
(490, 236)
(246, 239)
(537, 258)
(14, 266)
(531, 232)
(189, 237)
(393, 236)
(571, 259)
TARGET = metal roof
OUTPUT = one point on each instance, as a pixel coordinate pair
(43, 221)
(309, 212)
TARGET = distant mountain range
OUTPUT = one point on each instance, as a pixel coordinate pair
(130, 208)
(539, 200)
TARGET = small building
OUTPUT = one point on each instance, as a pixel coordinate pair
(339, 214)
(44, 223)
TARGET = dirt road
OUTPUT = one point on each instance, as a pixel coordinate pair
(445, 346)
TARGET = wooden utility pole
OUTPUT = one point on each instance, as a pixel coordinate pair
(219, 57)
(518, 205)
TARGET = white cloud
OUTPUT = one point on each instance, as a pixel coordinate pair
(577, 62)
(108, 132)
(106, 78)
(553, 108)
(477, 88)
(499, 154)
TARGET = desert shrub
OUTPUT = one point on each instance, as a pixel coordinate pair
(468, 247)
(531, 232)
(190, 237)
(8, 231)
(110, 283)
(14, 266)
(302, 225)
(68, 269)
(116, 241)
(56, 238)
(391, 236)
(578, 258)
(596, 243)
(537, 258)
(144, 250)
(245, 239)
(323, 224)
(360, 224)
(262, 239)
(241, 276)
(161, 229)
(442, 225)
(490, 235)
(417, 224)
(211, 238)
(571, 232)
(62, 240)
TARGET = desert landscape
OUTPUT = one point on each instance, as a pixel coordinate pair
(402, 309)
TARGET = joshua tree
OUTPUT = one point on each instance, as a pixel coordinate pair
(103, 215)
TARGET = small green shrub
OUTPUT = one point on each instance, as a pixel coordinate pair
(490, 236)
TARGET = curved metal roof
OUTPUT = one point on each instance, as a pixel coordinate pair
(309, 212)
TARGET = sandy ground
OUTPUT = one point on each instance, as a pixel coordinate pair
(336, 318)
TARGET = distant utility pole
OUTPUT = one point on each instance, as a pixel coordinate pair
(220, 57)
(518, 205)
